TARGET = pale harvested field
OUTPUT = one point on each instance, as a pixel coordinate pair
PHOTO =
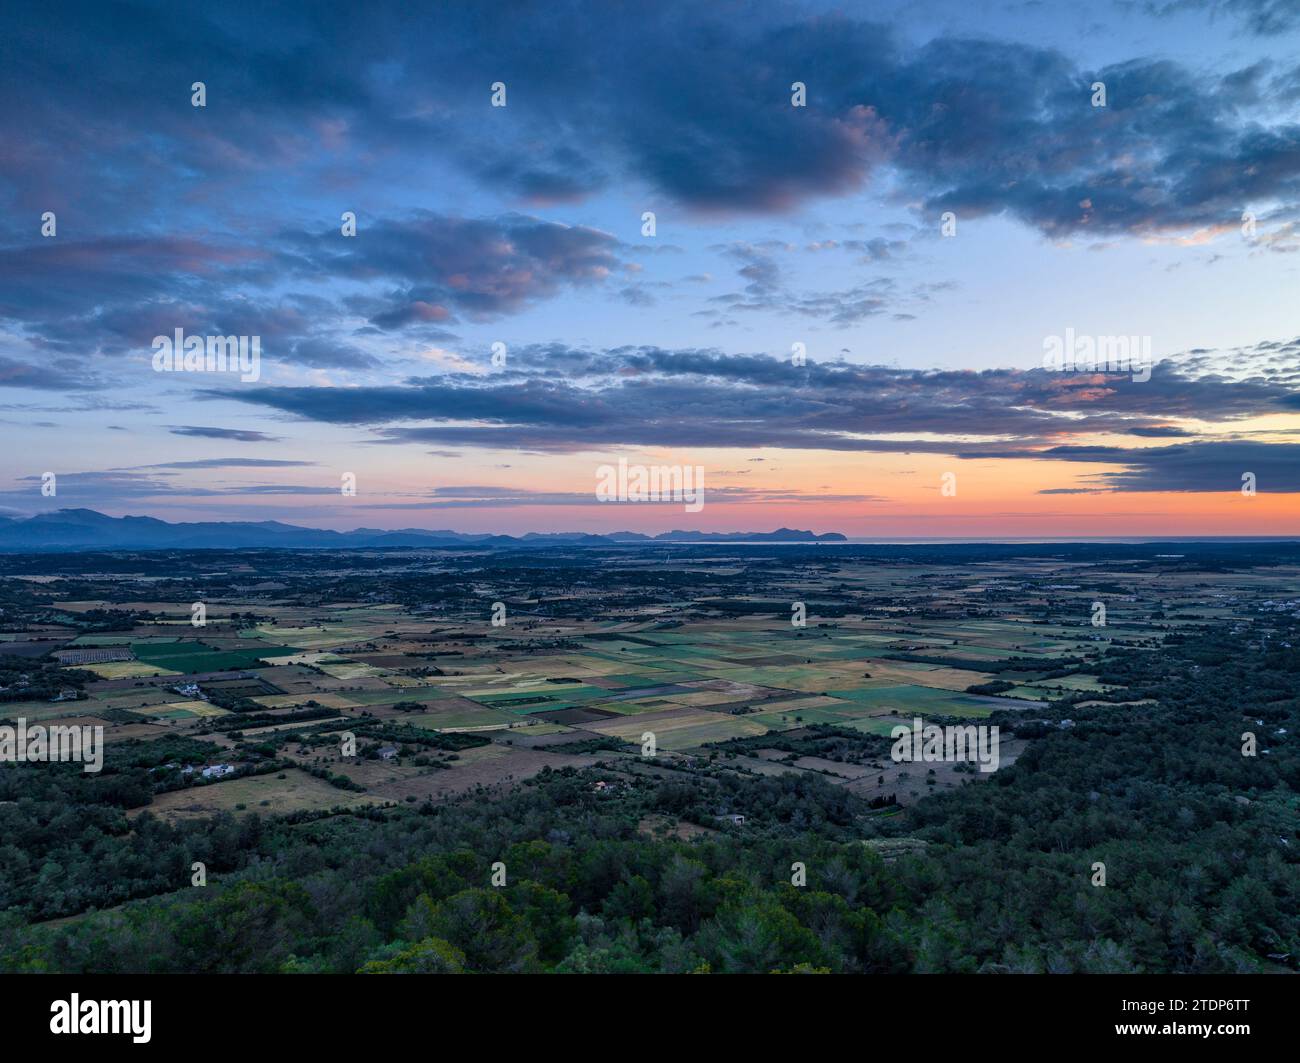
(296, 792)
(510, 765)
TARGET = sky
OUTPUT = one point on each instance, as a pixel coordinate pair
(821, 255)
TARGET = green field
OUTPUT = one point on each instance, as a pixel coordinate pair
(193, 657)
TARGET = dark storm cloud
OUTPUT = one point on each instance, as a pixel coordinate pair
(113, 296)
(445, 266)
(766, 289)
(45, 280)
(16, 374)
(692, 101)
(90, 488)
(563, 400)
(282, 489)
(238, 435)
(674, 102)
(1200, 466)
(1160, 431)
(228, 463)
(117, 485)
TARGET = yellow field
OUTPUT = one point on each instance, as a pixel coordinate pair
(125, 670)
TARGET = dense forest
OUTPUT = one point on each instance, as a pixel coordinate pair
(1198, 841)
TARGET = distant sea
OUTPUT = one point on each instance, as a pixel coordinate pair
(942, 540)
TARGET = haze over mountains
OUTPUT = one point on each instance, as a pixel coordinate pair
(86, 529)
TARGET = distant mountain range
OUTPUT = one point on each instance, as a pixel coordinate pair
(85, 529)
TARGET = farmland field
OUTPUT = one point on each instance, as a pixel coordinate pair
(318, 717)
